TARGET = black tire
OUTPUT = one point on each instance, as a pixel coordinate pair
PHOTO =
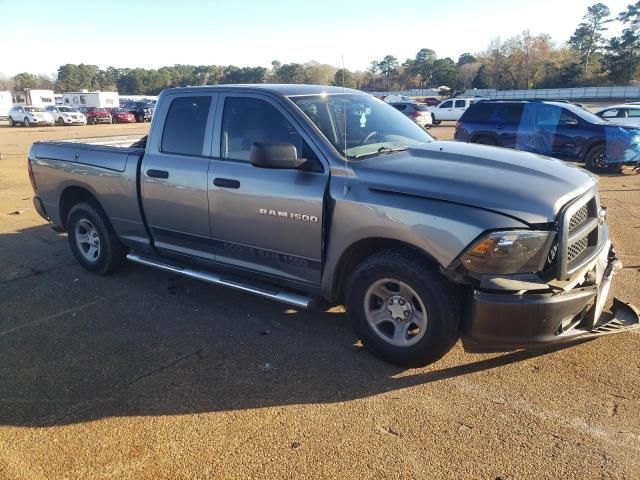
(111, 253)
(595, 161)
(11, 122)
(436, 122)
(140, 118)
(60, 121)
(26, 122)
(439, 297)
(484, 140)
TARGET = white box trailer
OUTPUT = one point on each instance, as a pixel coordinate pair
(35, 98)
(91, 99)
(6, 102)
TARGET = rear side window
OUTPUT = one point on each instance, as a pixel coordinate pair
(478, 113)
(400, 106)
(184, 127)
(510, 113)
(460, 104)
(633, 112)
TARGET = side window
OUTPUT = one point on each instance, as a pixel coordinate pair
(568, 118)
(510, 113)
(184, 127)
(400, 107)
(447, 104)
(460, 104)
(610, 113)
(246, 121)
(633, 112)
(83, 99)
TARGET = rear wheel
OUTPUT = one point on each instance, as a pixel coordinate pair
(140, 118)
(11, 122)
(402, 309)
(92, 239)
(596, 161)
(436, 122)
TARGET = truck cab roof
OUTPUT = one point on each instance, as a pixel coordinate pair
(286, 90)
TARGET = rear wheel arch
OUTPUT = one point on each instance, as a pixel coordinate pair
(72, 196)
(359, 251)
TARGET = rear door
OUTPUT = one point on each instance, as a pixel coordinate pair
(459, 106)
(266, 220)
(174, 175)
(508, 117)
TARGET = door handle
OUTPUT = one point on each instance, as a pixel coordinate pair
(157, 173)
(226, 183)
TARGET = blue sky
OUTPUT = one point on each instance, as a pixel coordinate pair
(152, 33)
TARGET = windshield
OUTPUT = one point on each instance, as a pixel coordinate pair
(359, 125)
(66, 109)
(33, 109)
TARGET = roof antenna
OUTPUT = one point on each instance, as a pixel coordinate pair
(345, 189)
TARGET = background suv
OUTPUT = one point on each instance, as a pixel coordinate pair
(556, 129)
(28, 116)
(64, 115)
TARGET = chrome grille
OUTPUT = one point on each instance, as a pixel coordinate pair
(575, 249)
(579, 218)
(580, 234)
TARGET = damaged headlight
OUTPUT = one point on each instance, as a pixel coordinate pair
(512, 251)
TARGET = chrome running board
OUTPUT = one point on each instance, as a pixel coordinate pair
(293, 299)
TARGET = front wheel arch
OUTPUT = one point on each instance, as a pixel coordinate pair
(357, 252)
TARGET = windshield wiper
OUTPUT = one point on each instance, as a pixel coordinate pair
(382, 150)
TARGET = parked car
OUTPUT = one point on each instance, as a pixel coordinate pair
(397, 98)
(143, 111)
(121, 115)
(96, 115)
(418, 113)
(626, 114)
(63, 115)
(451, 109)
(431, 101)
(28, 116)
(557, 129)
(424, 241)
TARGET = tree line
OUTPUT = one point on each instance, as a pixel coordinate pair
(521, 62)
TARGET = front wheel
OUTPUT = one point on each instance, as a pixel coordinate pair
(60, 121)
(27, 123)
(596, 161)
(92, 239)
(404, 311)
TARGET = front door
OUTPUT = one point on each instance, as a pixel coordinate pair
(445, 111)
(174, 175)
(266, 220)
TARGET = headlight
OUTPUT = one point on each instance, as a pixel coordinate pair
(512, 251)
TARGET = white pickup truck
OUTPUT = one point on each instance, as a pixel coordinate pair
(451, 109)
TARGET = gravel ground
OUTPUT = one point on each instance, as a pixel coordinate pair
(147, 375)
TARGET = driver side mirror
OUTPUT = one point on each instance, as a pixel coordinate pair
(276, 155)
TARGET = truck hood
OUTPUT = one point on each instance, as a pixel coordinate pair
(526, 186)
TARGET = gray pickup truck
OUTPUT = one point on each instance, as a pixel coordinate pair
(319, 195)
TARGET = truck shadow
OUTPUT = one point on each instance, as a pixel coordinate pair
(75, 347)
